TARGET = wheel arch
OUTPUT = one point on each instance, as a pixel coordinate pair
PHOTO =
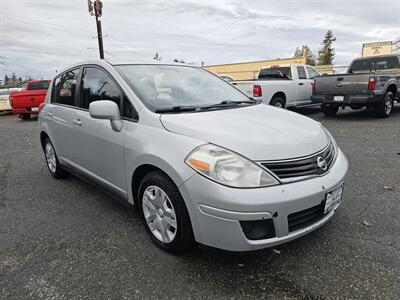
(392, 88)
(43, 136)
(279, 94)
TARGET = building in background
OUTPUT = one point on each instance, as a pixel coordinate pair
(396, 46)
(376, 48)
(249, 70)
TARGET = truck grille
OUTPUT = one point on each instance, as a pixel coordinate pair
(304, 218)
(296, 169)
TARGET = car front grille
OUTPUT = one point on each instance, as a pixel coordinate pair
(304, 218)
(296, 169)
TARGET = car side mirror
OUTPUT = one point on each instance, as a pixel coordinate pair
(106, 110)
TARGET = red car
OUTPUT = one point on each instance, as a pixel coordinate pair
(26, 102)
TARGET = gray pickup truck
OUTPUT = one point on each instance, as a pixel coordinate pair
(372, 82)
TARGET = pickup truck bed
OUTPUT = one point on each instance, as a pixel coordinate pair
(26, 102)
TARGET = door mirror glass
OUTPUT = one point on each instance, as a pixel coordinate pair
(106, 110)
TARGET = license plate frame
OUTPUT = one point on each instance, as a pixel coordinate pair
(333, 197)
(338, 98)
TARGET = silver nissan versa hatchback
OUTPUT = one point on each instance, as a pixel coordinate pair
(201, 161)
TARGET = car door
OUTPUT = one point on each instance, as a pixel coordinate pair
(59, 114)
(99, 150)
(302, 86)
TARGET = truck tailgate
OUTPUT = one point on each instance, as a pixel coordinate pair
(345, 84)
(28, 98)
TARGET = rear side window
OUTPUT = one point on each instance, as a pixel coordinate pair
(383, 63)
(312, 73)
(301, 72)
(98, 85)
(64, 88)
(39, 85)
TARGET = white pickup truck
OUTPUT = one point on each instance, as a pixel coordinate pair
(281, 85)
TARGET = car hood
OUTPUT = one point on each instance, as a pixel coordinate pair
(259, 132)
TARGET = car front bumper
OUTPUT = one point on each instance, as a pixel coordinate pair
(216, 210)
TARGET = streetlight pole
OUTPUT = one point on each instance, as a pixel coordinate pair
(95, 9)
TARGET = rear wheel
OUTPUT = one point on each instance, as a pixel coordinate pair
(164, 213)
(329, 110)
(278, 102)
(384, 108)
(53, 164)
(25, 116)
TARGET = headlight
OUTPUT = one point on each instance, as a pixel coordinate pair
(228, 168)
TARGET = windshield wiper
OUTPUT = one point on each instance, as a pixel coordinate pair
(229, 103)
(176, 109)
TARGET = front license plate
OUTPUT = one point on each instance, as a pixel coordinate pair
(338, 98)
(333, 197)
(34, 109)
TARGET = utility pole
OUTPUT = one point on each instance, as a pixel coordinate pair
(95, 9)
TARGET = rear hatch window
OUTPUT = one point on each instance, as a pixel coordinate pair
(374, 63)
(39, 85)
(275, 73)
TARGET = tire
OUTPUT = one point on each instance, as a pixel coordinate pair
(384, 108)
(25, 116)
(278, 102)
(329, 110)
(168, 222)
(52, 162)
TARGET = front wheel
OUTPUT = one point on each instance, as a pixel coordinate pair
(164, 213)
(384, 108)
(329, 110)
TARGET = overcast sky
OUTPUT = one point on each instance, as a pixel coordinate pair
(40, 36)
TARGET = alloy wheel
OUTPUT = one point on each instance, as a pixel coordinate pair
(51, 158)
(388, 105)
(159, 214)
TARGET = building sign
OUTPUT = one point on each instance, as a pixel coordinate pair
(377, 48)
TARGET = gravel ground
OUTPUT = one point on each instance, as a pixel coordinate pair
(66, 239)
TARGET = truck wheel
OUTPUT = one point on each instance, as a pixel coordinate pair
(164, 213)
(52, 161)
(278, 102)
(384, 107)
(25, 116)
(329, 110)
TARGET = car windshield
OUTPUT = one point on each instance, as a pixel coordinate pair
(162, 87)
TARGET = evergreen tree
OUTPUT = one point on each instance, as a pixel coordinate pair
(310, 60)
(6, 79)
(327, 53)
(298, 52)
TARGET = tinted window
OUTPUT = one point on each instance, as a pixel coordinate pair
(361, 65)
(64, 88)
(39, 85)
(383, 63)
(98, 85)
(312, 73)
(275, 73)
(301, 72)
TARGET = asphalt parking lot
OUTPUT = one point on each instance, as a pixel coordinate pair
(66, 239)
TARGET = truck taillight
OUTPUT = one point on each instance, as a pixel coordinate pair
(371, 83)
(257, 91)
(313, 87)
(41, 105)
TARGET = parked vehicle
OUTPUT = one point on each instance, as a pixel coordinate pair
(26, 102)
(281, 85)
(372, 82)
(5, 98)
(199, 159)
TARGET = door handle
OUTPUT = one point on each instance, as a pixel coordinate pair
(301, 83)
(77, 122)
